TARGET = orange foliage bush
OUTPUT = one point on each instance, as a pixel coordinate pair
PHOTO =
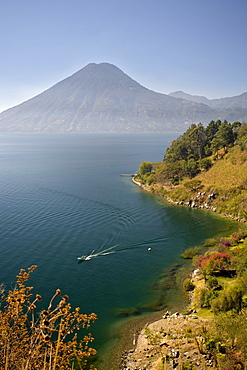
(44, 340)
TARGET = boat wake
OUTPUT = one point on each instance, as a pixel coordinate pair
(98, 253)
(102, 251)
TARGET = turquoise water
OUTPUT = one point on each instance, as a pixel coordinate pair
(62, 196)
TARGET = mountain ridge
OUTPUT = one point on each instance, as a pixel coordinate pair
(102, 98)
(228, 102)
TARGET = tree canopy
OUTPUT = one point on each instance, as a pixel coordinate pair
(190, 152)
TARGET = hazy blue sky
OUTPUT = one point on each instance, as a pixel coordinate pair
(198, 46)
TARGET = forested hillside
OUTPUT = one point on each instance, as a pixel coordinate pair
(205, 167)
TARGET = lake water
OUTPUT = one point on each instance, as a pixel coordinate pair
(62, 196)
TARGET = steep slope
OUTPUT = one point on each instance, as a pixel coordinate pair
(101, 98)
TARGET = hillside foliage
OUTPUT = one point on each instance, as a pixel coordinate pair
(36, 338)
(205, 167)
(220, 288)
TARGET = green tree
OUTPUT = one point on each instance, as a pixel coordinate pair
(189, 145)
(191, 168)
(215, 263)
(177, 151)
(145, 168)
(223, 138)
(242, 136)
(205, 163)
(174, 171)
(212, 129)
(198, 139)
(235, 128)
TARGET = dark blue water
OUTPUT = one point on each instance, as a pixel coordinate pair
(62, 196)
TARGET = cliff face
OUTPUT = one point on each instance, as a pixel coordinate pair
(102, 98)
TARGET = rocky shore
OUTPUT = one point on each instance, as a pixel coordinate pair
(172, 341)
(200, 200)
(145, 340)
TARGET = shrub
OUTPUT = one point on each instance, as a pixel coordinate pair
(188, 285)
(179, 194)
(215, 263)
(200, 297)
(226, 242)
(44, 340)
(236, 238)
(208, 297)
(204, 297)
(212, 283)
(205, 163)
(229, 299)
(193, 185)
(240, 262)
(211, 345)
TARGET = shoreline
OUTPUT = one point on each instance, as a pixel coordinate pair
(135, 350)
(132, 349)
(128, 333)
(191, 203)
(172, 346)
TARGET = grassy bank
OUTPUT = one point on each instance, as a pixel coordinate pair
(217, 182)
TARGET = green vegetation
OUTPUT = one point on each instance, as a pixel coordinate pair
(188, 285)
(223, 291)
(205, 168)
(44, 339)
(224, 269)
(145, 173)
